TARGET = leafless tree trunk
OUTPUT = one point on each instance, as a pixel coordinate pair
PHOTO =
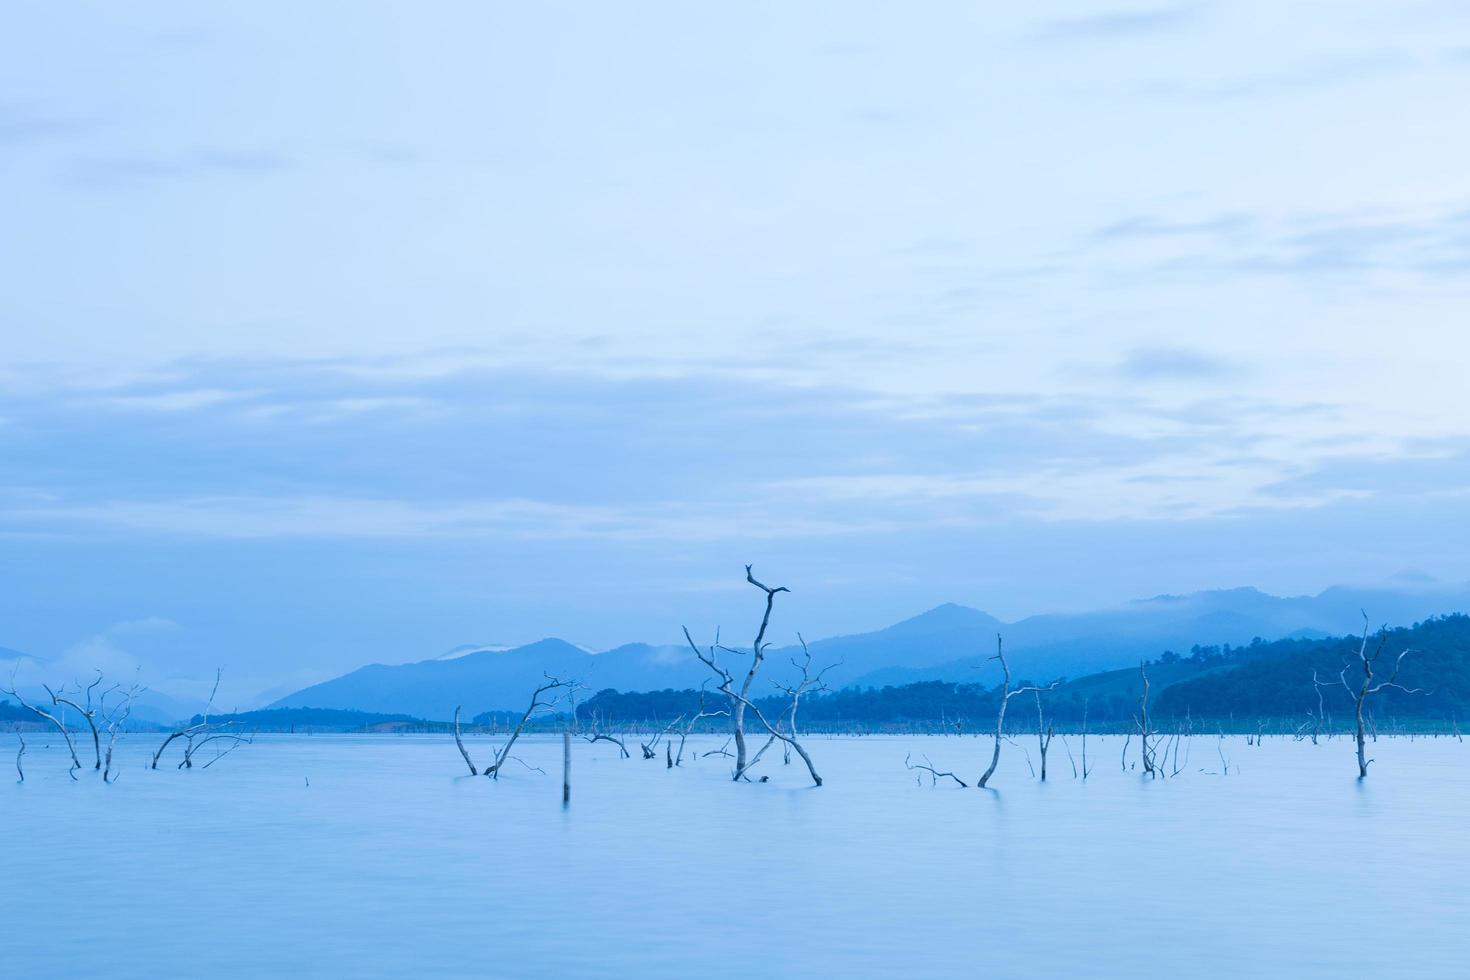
(19, 755)
(87, 710)
(114, 722)
(1043, 735)
(566, 767)
(1317, 686)
(460, 742)
(1085, 770)
(808, 682)
(46, 716)
(741, 700)
(1148, 761)
(694, 720)
(1366, 688)
(1000, 715)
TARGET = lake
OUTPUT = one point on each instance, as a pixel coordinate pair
(376, 856)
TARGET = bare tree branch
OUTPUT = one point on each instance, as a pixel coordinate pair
(1000, 716)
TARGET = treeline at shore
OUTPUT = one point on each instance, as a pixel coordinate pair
(1274, 687)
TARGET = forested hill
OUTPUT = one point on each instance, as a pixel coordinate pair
(1280, 684)
(1261, 682)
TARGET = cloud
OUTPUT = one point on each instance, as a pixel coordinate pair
(182, 400)
(1173, 363)
(1317, 75)
(257, 451)
(112, 171)
(1147, 226)
(21, 125)
(1431, 240)
(1119, 24)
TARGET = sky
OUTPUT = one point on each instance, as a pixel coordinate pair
(352, 332)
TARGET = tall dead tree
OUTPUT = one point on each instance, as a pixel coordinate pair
(1148, 759)
(1366, 687)
(1000, 715)
(114, 721)
(740, 700)
(86, 709)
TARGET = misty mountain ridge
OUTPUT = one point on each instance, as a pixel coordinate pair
(946, 642)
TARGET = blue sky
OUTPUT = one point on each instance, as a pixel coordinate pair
(354, 332)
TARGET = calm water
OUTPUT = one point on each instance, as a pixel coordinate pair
(390, 864)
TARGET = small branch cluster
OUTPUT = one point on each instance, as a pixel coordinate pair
(225, 736)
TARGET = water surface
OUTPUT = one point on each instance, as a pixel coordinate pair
(373, 856)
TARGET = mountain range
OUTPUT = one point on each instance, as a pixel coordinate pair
(945, 643)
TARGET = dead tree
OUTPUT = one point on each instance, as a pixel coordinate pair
(694, 719)
(1317, 686)
(48, 717)
(1366, 688)
(776, 734)
(650, 748)
(20, 770)
(809, 682)
(1085, 770)
(740, 700)
(1000, 715)
(596, 736)
(86, 709)
(1043, 735)
(1148, 759)
(204, 732)
(460, 742)
(537, 704)
(114, 722)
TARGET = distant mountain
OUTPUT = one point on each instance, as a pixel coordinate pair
(944, 643)
(1073, 644)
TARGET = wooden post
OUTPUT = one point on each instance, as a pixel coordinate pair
(566, 767)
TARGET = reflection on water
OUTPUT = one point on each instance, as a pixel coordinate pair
(389, 863)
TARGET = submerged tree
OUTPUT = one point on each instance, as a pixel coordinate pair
(1144, 750)
(94, 709)
(1366, 687)
(223, 735)
(50, 719)
(1006, 693)
(539, 703)
(740, 700)
(1044, 732)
